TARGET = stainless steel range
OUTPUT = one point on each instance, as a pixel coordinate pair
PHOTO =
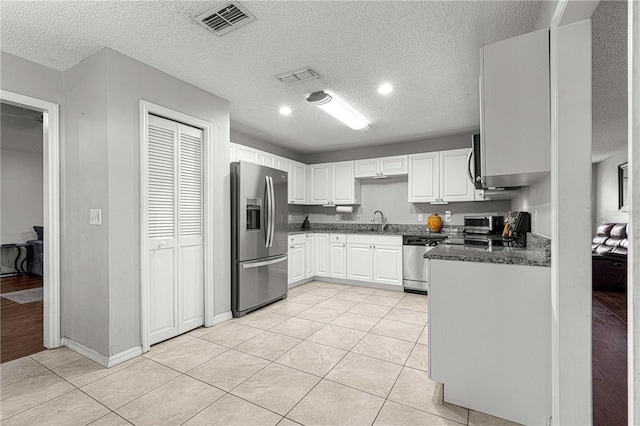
(415, 270)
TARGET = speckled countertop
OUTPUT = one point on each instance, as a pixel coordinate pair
(537, 254)
(358, 228)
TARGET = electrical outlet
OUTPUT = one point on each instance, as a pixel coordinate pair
(290, 218)
(338, 217)
(420, 217)
(95, 216)
(447, 216)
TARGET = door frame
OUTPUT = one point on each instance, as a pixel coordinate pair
(51, 213)
(147, 108)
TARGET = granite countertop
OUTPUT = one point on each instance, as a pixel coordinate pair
(505, 255)
(364, 231)
(392, 229)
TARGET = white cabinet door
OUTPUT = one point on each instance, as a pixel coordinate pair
(321, 255)
(424, 177)
(309, 261)
(455, 184)
(320, 184)
(297, 260)
(387, 264)
(343, 183)
(338, 260)
(515, 109)
(232, 152)
(245, 153)
(298, 177)
(367, 168)
(267, 159)
(394, 166)
(359, 262)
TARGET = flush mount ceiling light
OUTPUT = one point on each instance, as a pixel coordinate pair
(385, 89)
(285, 110)
(340, 112)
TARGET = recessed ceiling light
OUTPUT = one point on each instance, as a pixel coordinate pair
(385, 89)
(285, 110)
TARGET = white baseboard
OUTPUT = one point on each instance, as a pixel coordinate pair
(124, 356)
(98, 357)
(225, 316)
(84, 351)
(348, 282)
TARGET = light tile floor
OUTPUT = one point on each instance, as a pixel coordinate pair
(330, 354)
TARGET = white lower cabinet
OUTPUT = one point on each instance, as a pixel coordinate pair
(387, 264)
(338, 256)
(375, 258)
(321, 253)
(359, 262)
(297, 257)
(309, 260)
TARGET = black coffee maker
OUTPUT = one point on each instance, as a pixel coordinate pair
(521, 225)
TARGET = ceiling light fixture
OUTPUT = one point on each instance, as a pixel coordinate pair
(385, 89)
(337, 110)
(285, 110)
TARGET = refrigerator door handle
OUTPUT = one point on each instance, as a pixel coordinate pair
(263, 263)
(267, 209)
(272, 214)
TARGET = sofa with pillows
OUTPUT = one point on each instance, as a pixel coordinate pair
(609, 257)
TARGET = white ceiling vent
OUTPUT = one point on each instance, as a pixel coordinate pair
(299, 76)
(225, 18)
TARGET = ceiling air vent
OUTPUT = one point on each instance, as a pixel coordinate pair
(299, 76)
(225, 18)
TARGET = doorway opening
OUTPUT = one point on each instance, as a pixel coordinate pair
(22, 216)
(610, 213)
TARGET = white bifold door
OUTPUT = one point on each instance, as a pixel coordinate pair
(175, 228)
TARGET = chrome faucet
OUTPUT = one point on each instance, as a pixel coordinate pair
(383, 220)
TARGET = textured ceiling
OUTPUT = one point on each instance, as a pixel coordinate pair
(609, 45)
(428, 50)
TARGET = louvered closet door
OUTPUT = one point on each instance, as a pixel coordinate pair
(175, 228)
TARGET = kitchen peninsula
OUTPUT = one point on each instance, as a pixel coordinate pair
(490, 328)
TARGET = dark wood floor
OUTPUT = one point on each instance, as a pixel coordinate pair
(21, 331)
(609, 322)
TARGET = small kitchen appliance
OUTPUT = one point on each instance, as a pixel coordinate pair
(485, 225)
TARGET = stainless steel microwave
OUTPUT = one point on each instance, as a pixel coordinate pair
(483, 224)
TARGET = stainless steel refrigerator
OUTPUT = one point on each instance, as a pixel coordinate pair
(259, 225)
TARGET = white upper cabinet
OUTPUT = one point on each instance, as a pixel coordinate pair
(381, 167)
(245, 153)
(232, 152)
(344, 187)
(424, 177)
(333, 183)
(267, 159)
(367, 168)
(515, 109)
(298, 182)
(455, 184)
(319, 183)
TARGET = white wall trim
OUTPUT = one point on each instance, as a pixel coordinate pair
(633, 263)
(123, 356)
(51, 203)
(208, 130)
(85, 351)
(221, 318)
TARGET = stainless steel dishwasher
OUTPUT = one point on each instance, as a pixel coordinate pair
(415, 270)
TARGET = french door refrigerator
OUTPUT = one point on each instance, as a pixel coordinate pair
(259, 226)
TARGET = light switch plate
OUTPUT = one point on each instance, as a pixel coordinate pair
(420, 218)
(95, 216)
(447, 216)
(338, 217)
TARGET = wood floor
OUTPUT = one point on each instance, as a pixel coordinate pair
(21, 332)
(609, 322)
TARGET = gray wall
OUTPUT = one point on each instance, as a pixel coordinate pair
(30, 79)
(390, 196)
(262, 145)
(536, 199)
(443, 143)
(129, 81)
(605, 190)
